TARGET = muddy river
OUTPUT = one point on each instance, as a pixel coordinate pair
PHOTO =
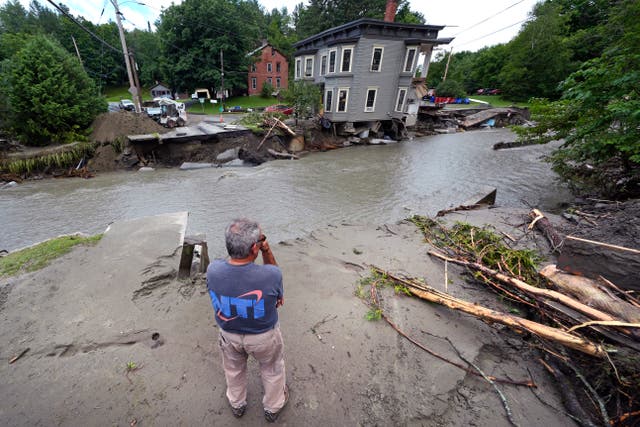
(368, 184)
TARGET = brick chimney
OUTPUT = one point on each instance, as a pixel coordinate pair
(390, 10)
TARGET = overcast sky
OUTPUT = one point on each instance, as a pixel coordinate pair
(503, 17)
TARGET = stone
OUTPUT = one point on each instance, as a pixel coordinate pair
(227, 155)
(191, 166)
(146, 169)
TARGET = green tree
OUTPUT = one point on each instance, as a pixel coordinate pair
(539, 57)
(305, 97)
(193, 34)
(598, 116)
(320, 15)
(51, 98)
(451, 88)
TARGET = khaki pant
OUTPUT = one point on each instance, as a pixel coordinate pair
(268, 349)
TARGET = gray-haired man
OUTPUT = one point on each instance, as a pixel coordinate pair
(245, 298)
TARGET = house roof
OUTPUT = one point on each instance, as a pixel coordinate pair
(159, 84)
(256, 50)
(368, 23)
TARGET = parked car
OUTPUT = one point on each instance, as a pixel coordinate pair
(279, 108)
(127, 104)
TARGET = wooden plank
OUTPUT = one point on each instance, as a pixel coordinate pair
(590, 258)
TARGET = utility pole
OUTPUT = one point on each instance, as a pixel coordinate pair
(222, 76)
(136, 80)
(446, 69)
(132, 87)
(77, 51)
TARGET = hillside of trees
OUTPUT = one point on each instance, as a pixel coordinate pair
(577, 60)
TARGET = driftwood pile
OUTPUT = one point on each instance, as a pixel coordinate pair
(588, 329)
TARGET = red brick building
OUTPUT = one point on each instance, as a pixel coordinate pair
(271, 67)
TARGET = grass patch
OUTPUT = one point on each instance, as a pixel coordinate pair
(40, 255)
(116, 93)
(244, 102)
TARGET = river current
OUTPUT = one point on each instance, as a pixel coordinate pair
(355, 185)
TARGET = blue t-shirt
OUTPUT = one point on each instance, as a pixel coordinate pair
(244, 296)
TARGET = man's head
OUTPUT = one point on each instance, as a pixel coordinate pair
(240, 236)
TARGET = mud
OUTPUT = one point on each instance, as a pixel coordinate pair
(90, 320)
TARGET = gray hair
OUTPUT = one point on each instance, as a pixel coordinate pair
(240, 235)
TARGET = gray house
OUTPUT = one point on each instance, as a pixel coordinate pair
(365, 68)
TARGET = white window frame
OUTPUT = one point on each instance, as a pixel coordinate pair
(373, 52)
(278, 67)
(406, 59)
(346, 100)
(351, 56)
(404, 99)
(375, 98)
(306, 60)
(298, 67)
(323, 65)
(254, 83)
(269, 67)
(253, 68)
(335, 60)
(328, 106)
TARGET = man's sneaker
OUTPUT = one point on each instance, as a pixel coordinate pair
(239, 411)
(273, 416)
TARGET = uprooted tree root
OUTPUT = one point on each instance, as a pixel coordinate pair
(606, 387)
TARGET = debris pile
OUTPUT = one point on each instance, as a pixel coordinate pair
(587, 329)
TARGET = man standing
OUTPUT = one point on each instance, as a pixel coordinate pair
(245, 298)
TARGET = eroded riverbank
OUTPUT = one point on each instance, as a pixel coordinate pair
(370, 184)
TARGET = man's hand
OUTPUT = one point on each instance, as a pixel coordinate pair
(267, 255)
(280, 302)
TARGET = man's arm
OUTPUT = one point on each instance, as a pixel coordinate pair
(267, 255)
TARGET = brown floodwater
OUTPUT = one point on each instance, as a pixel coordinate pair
(360, 184)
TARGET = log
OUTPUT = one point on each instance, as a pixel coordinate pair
(589, 292)
(529, 289)
(282, 155)
(590, 258)
(542, 223)
(433, 295)
(482, 199)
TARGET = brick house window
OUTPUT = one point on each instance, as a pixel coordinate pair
(278, 69)
(269, 67)
(278, 82)
(254, 83)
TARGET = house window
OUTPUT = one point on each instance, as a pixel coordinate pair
(332, 61)
(370, 104)
(298, 68)
(409, 58)
(376, 58)
(278, 82)
(253, 68)
(270, 81)
(343, 100)
(402, 94)
(273, 51)
(328, 100)
(323, 65)
(269, 67)
(308, 66)
(254, 83)
(347, 53)
(278, 67)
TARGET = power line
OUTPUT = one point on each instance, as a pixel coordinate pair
(490, 17)
(84, 28)
(490, 34)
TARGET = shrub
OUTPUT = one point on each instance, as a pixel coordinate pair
(451, 88)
